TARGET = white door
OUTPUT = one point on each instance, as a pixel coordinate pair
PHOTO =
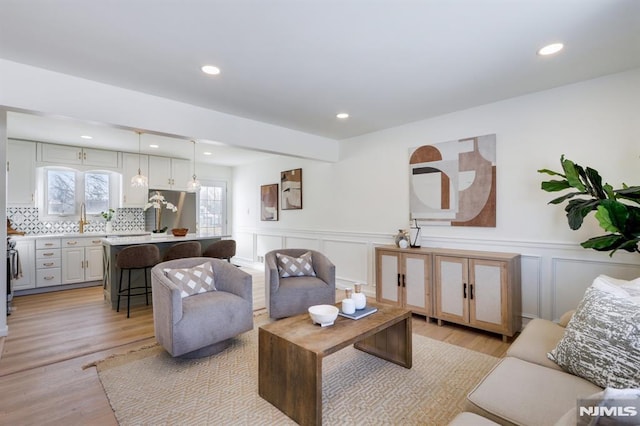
(159, 172)
(489, 286)
(21, 171)
(181, 173)
(416, 282)
(72, 265)
(452, 289)
(389, 273)
(93, 263)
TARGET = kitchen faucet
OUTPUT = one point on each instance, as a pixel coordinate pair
(83, 217)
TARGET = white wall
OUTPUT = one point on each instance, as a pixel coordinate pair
(352, 205)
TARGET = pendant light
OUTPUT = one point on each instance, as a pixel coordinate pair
(194, 184)
(139, 180)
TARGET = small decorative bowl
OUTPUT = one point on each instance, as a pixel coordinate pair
(179, 232)
(323, 314)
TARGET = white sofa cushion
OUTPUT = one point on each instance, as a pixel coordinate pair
(536, 340)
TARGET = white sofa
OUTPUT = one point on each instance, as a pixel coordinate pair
(528, 388)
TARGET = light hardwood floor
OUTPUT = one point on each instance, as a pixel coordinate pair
(52, 336)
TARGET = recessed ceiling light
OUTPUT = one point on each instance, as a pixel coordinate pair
(210, 69)
(342, 115)
(550, 49)
(86, 137)
(153, 146)
(206, 153)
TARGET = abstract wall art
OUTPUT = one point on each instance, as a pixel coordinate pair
(291, 187)
(454, 183)
(269, 202)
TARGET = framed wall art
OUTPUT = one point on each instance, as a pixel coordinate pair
(269, 202)
(454, 183)
(291, 189)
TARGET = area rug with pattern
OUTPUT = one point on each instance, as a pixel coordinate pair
(149, 387)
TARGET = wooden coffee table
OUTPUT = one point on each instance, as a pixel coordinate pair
(291, 352)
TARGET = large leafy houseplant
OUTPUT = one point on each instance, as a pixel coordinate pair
(617, 210)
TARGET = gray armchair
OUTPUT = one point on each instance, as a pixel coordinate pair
(201, 324)
(293, 295)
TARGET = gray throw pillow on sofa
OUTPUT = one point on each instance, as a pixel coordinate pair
(602, 341)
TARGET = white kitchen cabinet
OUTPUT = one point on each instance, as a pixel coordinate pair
(134, 196)
(169, 173)
(403, 278)
(27, 253)
(81, 259)
(48, 267)
(21, 173)
(478, 289)
(69, 155)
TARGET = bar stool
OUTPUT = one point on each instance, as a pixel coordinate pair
(143, 256)
(182, 250)
(223, 249)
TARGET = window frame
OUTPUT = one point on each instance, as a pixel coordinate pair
(80, 195)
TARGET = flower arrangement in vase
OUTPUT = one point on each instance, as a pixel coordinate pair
(156, 201)
(107, 216)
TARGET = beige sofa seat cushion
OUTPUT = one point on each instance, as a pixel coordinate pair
(537, 339)
(471, 419)
(518, 392)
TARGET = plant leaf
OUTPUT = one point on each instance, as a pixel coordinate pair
(577, 210)
(572, 173)
(596, 183)
(551, 172)
(555, 185)
(564, 197)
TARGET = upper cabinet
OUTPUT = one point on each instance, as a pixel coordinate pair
(169, 173)
(21, 170)
(63, 154)
(134, 196)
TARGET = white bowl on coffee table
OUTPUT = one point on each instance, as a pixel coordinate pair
(323, 314)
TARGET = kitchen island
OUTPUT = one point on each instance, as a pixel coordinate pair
(113, 245)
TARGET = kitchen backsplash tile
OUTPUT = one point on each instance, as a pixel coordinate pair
(26, 219)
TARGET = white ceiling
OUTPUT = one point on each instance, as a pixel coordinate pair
(296, 63)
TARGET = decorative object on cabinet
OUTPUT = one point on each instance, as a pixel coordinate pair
(414, 235)
(402, 238)
(269, 202)
(107, 216)
(620, 219)
(454, 182)
(11, 231)
(156, 201)
(139, 180)
(193, 184)
(291, 187)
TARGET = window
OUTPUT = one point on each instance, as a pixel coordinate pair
(65, 189)
(213, 208)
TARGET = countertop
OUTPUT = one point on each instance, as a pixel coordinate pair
(122, 240)
(127, 234)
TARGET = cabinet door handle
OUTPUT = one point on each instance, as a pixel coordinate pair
(47, 264)
(80, 155)
(398, 280)
(95, 241)
(470, 291)
(47, 254)
(404, 280)
(49, 278)
(86, 262)
(48, 244)
(72, 243)
(464, 290)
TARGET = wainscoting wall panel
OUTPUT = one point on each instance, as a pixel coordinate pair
(554, 275)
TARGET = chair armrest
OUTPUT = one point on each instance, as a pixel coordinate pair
(166, 297)
(231, 279)
(325, 270)
(566, 317)
(271, 273)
